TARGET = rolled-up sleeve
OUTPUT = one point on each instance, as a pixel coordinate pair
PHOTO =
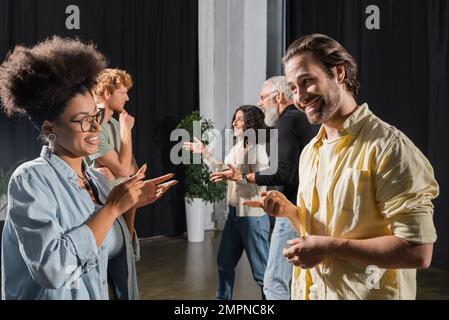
(405, 188)
(54, 257)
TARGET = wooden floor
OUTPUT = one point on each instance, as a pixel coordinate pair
(172, 268)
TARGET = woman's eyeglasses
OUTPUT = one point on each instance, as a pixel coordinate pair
(87, 122)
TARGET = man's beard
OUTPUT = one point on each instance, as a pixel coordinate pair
(327, 107)
(271, 116)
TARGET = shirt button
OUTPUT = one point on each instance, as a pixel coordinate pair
(92, 262)
(104, 282)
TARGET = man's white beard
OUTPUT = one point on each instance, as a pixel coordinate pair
(271, 116)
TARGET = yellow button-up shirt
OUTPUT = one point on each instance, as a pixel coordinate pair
(380, 184)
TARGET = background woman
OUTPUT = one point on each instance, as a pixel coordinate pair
(245, 228)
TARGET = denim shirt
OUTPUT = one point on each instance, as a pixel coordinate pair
(48, 251)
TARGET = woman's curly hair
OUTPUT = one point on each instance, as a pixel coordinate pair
(40, 81)
(253, 118)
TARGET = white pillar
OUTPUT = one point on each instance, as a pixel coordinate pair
(206, 55)
(255, 49)
(232, 59)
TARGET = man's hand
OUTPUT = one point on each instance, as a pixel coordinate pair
(126, 122)
(275, 204)
(308, 251)
(232, 174)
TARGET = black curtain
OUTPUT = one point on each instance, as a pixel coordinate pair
(156, 41)
(404, 73)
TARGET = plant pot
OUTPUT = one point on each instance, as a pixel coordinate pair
(195, 220)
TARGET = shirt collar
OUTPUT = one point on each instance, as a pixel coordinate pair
(355, 122)
(351, 126)
(58, 164)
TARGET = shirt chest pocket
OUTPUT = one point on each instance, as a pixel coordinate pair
(305, 189)
(354, 191)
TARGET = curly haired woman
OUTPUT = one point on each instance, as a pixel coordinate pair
(246, 229)
(64, 236)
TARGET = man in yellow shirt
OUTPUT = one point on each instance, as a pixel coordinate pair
(364, 207)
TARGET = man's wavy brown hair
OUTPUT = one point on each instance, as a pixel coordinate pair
(330, 53)
(109, 80)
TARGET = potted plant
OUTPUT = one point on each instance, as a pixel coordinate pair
(200, 192)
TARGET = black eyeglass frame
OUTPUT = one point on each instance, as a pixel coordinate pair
(98, 117)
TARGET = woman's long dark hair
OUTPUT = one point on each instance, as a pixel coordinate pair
(254, 120)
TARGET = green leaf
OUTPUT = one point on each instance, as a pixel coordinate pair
(197, 175)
